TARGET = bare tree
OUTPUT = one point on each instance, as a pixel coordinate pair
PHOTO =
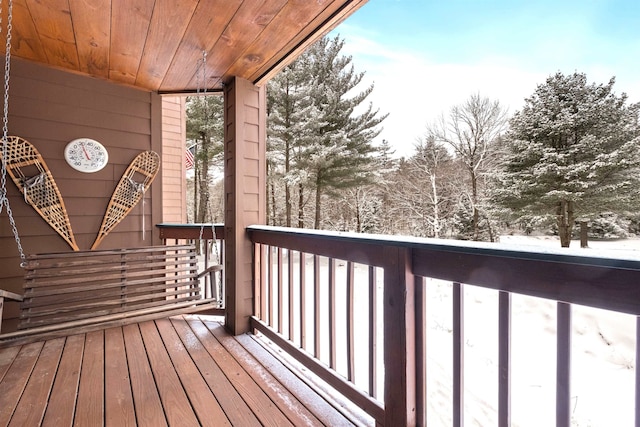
(470, 130)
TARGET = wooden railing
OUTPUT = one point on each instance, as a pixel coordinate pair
(209, 241)
(367, 337)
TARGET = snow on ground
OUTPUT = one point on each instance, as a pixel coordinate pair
(603, 359)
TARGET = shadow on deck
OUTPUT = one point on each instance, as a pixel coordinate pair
(182, 371)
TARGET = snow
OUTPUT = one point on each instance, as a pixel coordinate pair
(603, 358)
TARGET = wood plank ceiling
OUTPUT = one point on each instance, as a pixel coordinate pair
(159, 45)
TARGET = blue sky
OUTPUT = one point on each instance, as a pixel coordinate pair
(425, 56)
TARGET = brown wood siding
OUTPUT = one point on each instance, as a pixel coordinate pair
(173, 170)
(49, 108)
(245, 189)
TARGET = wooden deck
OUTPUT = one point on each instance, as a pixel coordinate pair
(183, 371)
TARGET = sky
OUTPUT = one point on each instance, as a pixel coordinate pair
(426, 56)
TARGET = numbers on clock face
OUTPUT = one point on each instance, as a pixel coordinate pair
(86, 155)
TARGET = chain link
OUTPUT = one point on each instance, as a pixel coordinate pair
(4, 200)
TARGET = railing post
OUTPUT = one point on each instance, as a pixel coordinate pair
(504, 359)
(637, 377)
(458, 355)
(399, 338)
(563, 369)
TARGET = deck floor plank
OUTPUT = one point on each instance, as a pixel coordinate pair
(202, 399)
(119, 410)
(234, 406)
(148, 407)
(182, 371)
(283, 398)
(16, 378)
(258, 400)
(62, 401)
(7, 356)
(90, 403)
(174, 400)
(33, 403)
(325, 412)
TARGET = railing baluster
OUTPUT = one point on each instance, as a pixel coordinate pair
(280, 292)
(261, 304)
(269, 293)
(504, 359)
(303, 294)
(332, 313)
(220, 285)
(421, 350)
(373, 336)
(291, 317)
(350, 323)
(316, 306)
(458, 355)
(563, 368)
(207, 278)
(637, 388)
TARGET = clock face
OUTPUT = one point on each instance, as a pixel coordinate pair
(86, 155)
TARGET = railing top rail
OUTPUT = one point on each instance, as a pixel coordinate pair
(595, 279)
(190, 231)
(266, 234)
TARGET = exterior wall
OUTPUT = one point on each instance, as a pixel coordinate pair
(245, 189)
(174, 188)
(49, 108)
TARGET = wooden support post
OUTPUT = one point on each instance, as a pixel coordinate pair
(399, 339)
(245, 192)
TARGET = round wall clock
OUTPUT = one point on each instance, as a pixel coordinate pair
(86, 155)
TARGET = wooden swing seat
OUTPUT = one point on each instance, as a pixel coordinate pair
(74, 292)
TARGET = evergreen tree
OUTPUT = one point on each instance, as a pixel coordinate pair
(205, 128)
(314, 130)
(573, 152)
(343, 154)
(289, 106)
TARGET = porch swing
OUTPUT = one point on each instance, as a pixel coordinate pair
(79, 291)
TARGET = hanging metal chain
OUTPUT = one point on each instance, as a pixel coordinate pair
(4, 200)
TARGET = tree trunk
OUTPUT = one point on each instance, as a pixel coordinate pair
(358, 218)
(287, 204)
(474, 202)
(300, 206)
(273, 204)
(316, 223)
(564, 215)
(287, 190)
(318, 208)
(203, 204)
(436, 211)
(584, 234)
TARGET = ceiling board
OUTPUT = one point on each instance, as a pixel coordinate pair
(159, 45)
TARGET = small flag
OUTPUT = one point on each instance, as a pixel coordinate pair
(189, 160)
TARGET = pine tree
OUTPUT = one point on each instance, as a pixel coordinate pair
(573, 152)
(289, 105)
(314, 128)
(205, 128)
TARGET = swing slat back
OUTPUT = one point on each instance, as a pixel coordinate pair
(78, 290)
